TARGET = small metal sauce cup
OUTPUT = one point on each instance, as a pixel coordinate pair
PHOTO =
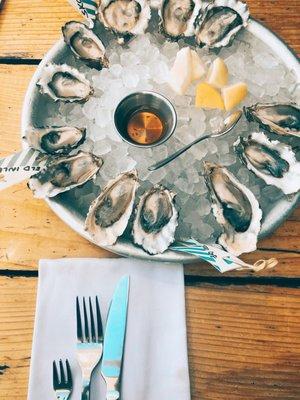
(145, 101)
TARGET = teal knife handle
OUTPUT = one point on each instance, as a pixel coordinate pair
(85, 395)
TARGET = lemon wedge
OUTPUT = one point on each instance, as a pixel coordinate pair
(234, 94)
(208, 97)
(181, 72)
(198, 69)
(218, 73)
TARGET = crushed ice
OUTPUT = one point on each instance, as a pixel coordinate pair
(144, 65)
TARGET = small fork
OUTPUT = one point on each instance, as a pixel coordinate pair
(89, 342)
(62, 385)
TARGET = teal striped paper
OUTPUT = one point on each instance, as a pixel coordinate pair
(219, 258)
(88, 8)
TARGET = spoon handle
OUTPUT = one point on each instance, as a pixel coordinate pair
(177, 153)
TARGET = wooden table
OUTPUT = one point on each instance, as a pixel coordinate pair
(243, 329)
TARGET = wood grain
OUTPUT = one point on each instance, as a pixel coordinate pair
(241, 340)
(244, 341)
(29, 28)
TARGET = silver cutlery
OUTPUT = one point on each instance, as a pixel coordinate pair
(89, 342)
(229, 124)
(114, 339)
(62, 382)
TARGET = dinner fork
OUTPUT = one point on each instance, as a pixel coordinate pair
(62, 385)
(89, 342)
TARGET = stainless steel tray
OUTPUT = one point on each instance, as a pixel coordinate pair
(66, 209)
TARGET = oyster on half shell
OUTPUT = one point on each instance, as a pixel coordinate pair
(235, 209)
(272, 161)
(109, 213)
(280, 118)
(156, 220)
(62, 82)
(55, 139)
(64, 173)
(219, 21)
(125, 17)
(177, 17)
(85, 44)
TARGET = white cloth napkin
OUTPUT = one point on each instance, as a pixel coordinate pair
(155, 358)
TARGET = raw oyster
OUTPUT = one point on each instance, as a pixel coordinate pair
(177, 17)
(64, 173)
(156, 220)
(62, 82)
(283, 119)
(85, 44)
(125, 16)
(272, 161)
(55, 139)
(218, 22)
(109, 213)
(235, 209)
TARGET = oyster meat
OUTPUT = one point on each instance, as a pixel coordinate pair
(55, 139)
(235, 209)
(219, 21)
(177, 17)
(156, 220)
(85, 44)
(125, 16)
(283, 119)
(272, 161)
(109, 213)
(64, 173)
(62, 82)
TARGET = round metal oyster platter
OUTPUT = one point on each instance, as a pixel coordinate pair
(73, 213)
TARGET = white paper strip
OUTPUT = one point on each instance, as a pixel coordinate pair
(19, 167)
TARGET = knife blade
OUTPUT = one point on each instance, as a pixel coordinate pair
(114, 339)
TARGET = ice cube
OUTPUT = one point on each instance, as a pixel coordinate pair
(103, 116)
(101, 147)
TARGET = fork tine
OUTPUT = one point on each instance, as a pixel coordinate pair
(99, 322)
(62, 372)
(79, 325)
(69, 375)
(86, 324)
(55, 376)
(93, 333)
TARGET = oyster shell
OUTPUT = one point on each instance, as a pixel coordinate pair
(280, 118)
(272, 161)
(64, 173)
(55, 139)
(235, 209)
(177, 17)
(219, 21)
(109, 213)
(85, 44)
(125, 16)
(156, 220)
(62, 82)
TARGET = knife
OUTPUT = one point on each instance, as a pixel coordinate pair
(114, 339)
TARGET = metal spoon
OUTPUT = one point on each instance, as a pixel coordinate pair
(229, 123)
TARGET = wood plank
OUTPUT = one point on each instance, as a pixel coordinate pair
(29, 29)
(243, 340)
(28, 228)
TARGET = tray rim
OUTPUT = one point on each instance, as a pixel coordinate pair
(124, 247)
